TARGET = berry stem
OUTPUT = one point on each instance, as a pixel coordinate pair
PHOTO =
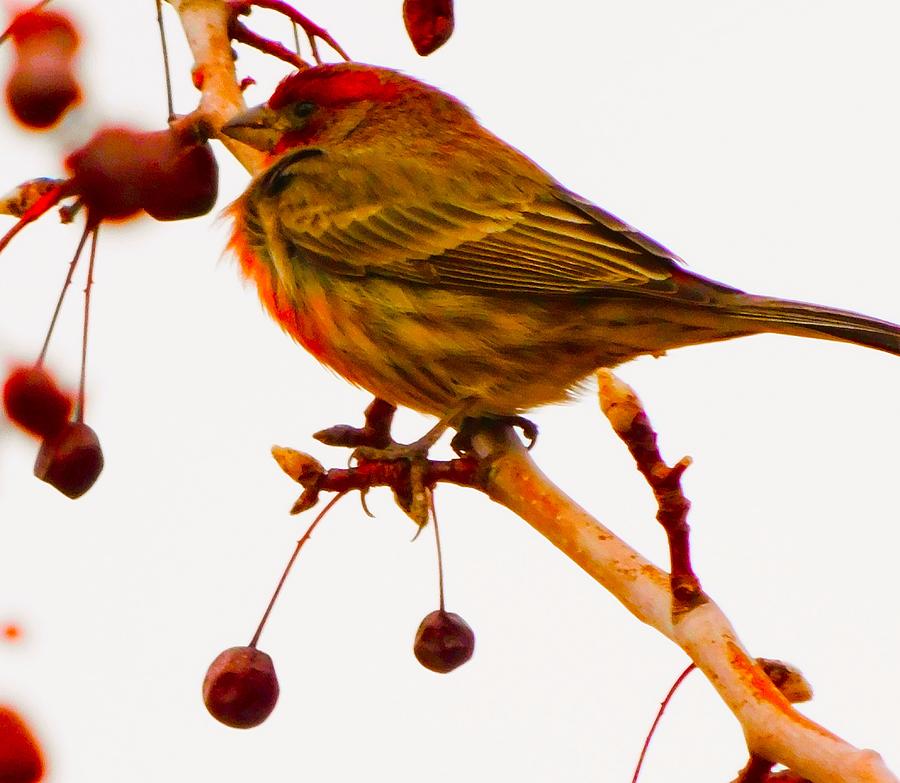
(659, 714)
(440, 558)
(79, 403)
(62, 295)
(165, 56)
(303, 539)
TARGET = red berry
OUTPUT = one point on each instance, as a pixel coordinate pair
(20, 754)
(172, 174)
(42, 85)
(45, 29)
(110, 173)
(429, 23)
(183, 181)
(34, 401)
(40, 90)
(71, 460)
(240, 688)
(443, 642)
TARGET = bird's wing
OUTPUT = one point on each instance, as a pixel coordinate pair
(507, 237)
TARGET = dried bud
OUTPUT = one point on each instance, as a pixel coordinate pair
(789, 680)
(21, 198)
(306, 501)
(302, 468)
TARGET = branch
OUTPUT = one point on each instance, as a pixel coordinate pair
(205, 24)
(772, 727)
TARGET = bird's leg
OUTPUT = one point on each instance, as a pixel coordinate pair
(416, 449)
(374, 434)
(462, 441)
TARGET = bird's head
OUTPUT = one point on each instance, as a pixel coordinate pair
(328, 103)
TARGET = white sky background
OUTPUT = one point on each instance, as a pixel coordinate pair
(760, 144)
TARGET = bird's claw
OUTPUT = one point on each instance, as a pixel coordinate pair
(415, 498)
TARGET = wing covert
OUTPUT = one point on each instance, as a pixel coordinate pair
(511, 235)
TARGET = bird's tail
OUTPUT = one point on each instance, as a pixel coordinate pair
(808, 320)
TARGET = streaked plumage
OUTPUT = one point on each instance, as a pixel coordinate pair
(427, 261)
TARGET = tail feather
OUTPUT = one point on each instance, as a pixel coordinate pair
(808, 320)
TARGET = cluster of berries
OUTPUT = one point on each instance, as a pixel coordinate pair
(169, 174)
(120, 172)
(241, 689)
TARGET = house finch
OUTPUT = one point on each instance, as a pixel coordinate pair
(427, 261)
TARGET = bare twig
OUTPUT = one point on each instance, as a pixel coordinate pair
(165, 57)
(659, 713)
(243, 34)
(623, 409)
(290, 564)
(308, 472)
(312, 30)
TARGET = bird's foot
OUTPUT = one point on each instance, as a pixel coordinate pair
(416, 502)
(372, 443)
(462, 441)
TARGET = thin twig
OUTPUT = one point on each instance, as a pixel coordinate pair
(79, 410)
(312, 30)
(295, 28)
(62, 294)
(243, 34)
(284, 574)
(656, 720)
(437, 544)
(622, 407)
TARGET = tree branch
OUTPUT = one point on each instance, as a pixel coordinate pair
(205, 24)
(772, 727)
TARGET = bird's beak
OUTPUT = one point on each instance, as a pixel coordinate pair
(256, 127)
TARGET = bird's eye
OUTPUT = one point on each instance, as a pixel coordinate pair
(303, 109)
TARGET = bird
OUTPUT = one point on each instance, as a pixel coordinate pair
(427, 261)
